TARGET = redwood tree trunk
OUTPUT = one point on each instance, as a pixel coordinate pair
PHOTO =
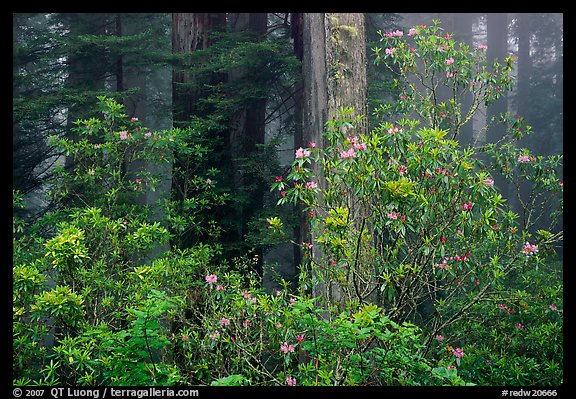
(247, 132)
(190, 32)
(334, 76)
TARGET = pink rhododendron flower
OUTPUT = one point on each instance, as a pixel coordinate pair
(286, 348)
(215, 335)
(482, 47)
(348, 154)
(396, 33)
(220, 288)
(489, 182)
(301, 153)
(224, 321)
(449, 61)
(211, 278)
(459, 353)
(553, 307)
(529, 249)
(467, 206)
(147, 134)
(134, 120)
(123, 135)
(290, 381)
(524, 158)
(412, 31)
(300, 338)
(439, 337)
(390, 51)
(311, 184)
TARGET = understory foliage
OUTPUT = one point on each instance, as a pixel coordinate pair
(417, 270)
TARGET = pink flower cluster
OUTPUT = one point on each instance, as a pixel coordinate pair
(459, 353)
(502, 306)
(529, 249)
(457, 258)
(467, 206)
(524, 158)
(286, 348)
(290, 381)
(396, 33)
(395, 215)
(302, 153)
(348, 154)
(224, 321)
(356, 146)
(211, 278)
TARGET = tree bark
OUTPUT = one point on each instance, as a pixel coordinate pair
(334, 76)
(497, 41)
(247, 132)
(190, 32)
(150, 104)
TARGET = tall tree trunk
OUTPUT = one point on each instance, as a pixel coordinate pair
(84, 73)
(190, 32)
(497, 42)
(150, 104)
(523, 94)
(247, 132)
(462, 27)
(334, 76)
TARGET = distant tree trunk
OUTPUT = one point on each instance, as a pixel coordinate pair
(85, 74)
(190, 32)
(296, 24)
(524, 65)
(497, 41)
(247, 131)
(463, 33)
(523, 94)
(334, 76)
(150, 104)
